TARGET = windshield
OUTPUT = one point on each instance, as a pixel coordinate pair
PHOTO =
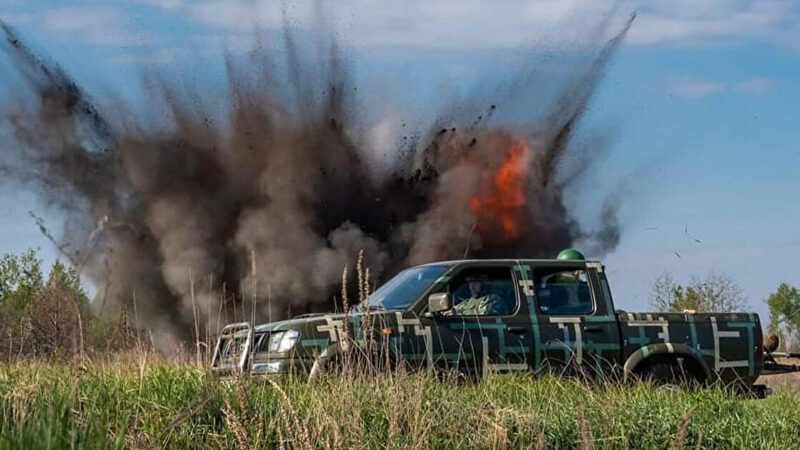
(405, 287)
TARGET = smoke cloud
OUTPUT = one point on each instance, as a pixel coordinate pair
(278, 192)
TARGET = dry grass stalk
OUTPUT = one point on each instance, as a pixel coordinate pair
(499, 432)
(81, 345)
(279, 432)
(362, 299)
(235, 425)
(680, 435)
(587, 443)
(297, 424)
(20, 397)
(541, 441)
(346, 310)
(345, 300)
(198, 358)
(254, 287)
(369, 349)
(136, 437)
(136, 319)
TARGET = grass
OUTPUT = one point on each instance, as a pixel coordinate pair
(51, 405)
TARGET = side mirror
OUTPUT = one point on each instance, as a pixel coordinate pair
(439, 302)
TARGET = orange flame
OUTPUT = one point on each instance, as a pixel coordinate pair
(500, 203)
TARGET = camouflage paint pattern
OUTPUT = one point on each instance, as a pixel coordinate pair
(601, 343)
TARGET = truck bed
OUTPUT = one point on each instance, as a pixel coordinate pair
(728, 346)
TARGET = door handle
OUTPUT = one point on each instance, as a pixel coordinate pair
(517, 329)
(592, 328)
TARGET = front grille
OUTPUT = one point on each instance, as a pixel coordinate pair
(232, 347)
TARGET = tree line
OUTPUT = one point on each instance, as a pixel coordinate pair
(720, 293)
(49, 315)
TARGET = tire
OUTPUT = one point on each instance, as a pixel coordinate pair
(669, 376)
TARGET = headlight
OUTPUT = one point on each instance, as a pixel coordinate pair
(282, 341)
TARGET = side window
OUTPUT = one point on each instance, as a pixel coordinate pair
(562, 291)
(487, 291)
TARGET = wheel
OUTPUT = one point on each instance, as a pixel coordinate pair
(669, 376)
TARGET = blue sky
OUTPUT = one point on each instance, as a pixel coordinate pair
(699, 108)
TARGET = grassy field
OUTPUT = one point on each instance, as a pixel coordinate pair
(144, 405)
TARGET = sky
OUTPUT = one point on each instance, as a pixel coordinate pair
(698, 110)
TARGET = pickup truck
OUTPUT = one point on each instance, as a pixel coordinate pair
(473, 317)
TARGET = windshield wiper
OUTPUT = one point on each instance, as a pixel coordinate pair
(372, 307)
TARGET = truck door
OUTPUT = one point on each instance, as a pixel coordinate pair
(486, 331)
(579, 334)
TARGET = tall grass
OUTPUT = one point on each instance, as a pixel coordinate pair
(177, 406)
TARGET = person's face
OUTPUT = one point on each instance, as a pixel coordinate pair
(475, 287)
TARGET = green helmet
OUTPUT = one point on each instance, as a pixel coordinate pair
(570, 254)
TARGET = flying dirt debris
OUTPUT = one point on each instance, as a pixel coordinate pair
(176, 206)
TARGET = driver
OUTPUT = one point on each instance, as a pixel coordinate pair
(480, 302)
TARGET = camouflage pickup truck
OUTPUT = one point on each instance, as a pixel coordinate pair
(473, 317)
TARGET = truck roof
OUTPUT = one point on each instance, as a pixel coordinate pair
(531, 260)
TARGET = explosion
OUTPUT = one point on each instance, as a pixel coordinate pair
(502, 201)
(195, 207)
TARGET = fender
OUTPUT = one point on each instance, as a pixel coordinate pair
(664, 348)
(332, 351)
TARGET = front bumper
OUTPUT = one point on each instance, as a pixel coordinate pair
(281, 366)
(260, 366)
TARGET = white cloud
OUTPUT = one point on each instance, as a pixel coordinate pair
(507, 23)
(692, 88)
(95, 26)
(166, 4)
(453, 24)
(416, 23)
(244, 14)
(687, 22)
(755, 86)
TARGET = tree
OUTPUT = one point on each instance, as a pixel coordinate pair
(718, 293)
(784, 313)
(715, 293)
(664, 293)
(20, 278)
(57, 313)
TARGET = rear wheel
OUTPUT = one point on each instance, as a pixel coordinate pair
(669, 376)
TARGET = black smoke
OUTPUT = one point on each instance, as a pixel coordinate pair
(278, 184)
